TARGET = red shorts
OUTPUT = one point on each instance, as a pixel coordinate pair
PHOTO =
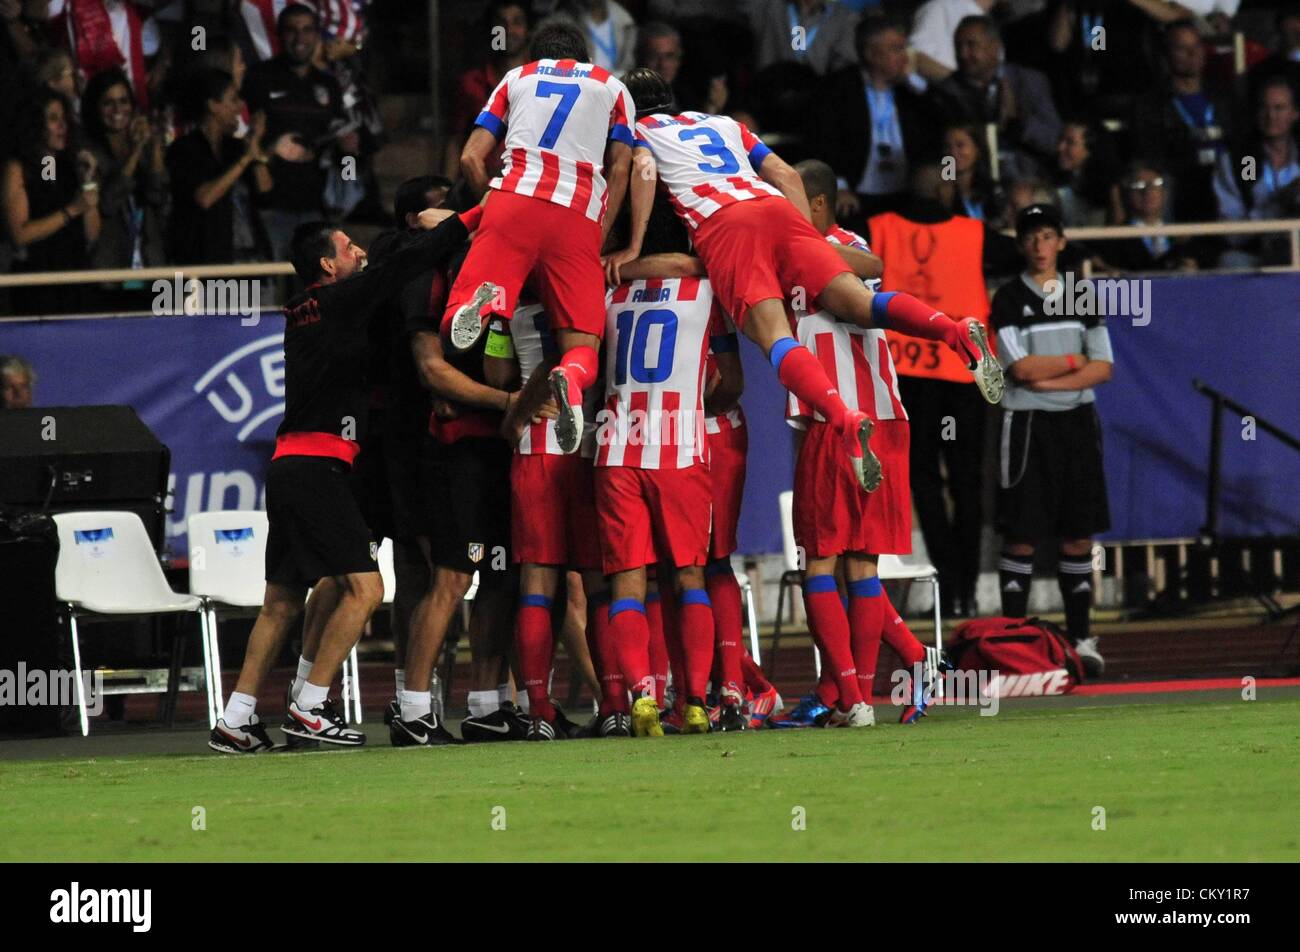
(521, 235)
(763, 248)
(832, 515)
(553, 498)
(728, 449)
(646, 514)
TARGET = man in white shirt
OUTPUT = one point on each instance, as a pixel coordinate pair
(932, 34)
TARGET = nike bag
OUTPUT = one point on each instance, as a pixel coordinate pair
(1021, 657)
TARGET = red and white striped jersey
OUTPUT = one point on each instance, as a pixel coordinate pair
(705, 162)
(656, 339)
(530, 332)
(722, 337)
(555, 117)
(857, 360)
(342, 19)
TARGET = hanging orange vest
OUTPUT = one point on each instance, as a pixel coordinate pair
(942, 264)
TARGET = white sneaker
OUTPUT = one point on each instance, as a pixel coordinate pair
(323, 723)
(1094, 665)
(469, 320)
(861, 714)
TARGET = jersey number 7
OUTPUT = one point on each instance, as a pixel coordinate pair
(568, 93)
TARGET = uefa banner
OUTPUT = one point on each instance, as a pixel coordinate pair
(212, 389)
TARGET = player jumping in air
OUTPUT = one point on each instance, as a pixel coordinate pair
(750, 222)
(566, 125)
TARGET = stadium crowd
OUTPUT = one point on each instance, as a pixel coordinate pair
(958, 118)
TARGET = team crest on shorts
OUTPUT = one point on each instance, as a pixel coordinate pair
(374, 551)
(476, 551)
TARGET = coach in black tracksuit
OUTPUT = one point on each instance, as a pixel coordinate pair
(317, 531)
(1052, 485)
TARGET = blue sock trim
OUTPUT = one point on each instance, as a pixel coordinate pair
(718, 567)
(880, 308)
(695, 596)
(780, 349)
(534, 601)
(844, 600)
(816, 584)
(865, 587)
(652, 596)
(626, 605)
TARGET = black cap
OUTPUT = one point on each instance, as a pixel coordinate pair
(1033, 217)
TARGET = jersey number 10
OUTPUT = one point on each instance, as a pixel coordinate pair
(633, 341)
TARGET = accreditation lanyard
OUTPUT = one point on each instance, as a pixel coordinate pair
(810, 32)
(608, 48)
(1091, 22)
(884, 122)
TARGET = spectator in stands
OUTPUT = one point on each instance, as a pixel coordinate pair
(1052, 483)
(1285, 61)
(659, 47)
(874, 127)
(1145, 189)
(977, 194)
(219, 52)
(300, 99)
(934, 31)
(1183, 126)
(507, 19)
(51, 204)
(257, 19)
(986, 91)
(610, 32)
(816, 33)
(1262, 179)
(110, 33)
(353, 192)
(55, 70)
(1084, 175)
(17, 382)
(130, 160)
(204, 166)
(19, 45)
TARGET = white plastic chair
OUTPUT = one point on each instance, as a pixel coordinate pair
(227, 571)
(107, 567)
(792, 570)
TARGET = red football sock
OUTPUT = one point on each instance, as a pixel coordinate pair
(631, 636)
(654, 616)
(697, 640)
(533, 641)
(866, 613)
(600, 640)
(826, 613)
(583, 364)
(899, 637)
(827, 691)
(673, 641)
(755, 680)
(728, 626)
(801, 374)
(901, 312)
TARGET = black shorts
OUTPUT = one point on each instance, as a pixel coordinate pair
(467, 484)
(316, 527)
(386, 478)
(1052, 482)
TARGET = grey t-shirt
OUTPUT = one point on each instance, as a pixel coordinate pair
(1025, 328)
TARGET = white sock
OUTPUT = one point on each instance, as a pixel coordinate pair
(482, 703)
(415, 704)
(503, 694)
(399, 675)
(523, 703)
(304, 670)
(312, 696)
(239, 710)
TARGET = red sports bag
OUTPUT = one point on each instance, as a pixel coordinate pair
(1030, 656)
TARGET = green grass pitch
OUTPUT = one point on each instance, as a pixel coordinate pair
(1178, 782)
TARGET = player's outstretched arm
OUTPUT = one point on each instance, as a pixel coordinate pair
(644, 178)
(618, 165)
(474, 158)
(864, 264)
(778, 173)
(725, 388)
(446, 381)
(672, 264)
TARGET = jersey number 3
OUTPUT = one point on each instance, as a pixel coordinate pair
(634, 340)
(568, 93)
(714, 148)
